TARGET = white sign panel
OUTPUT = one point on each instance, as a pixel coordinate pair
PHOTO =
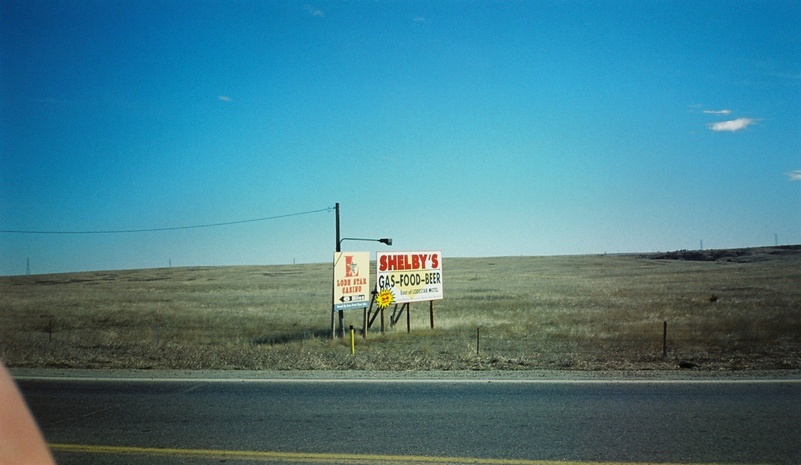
(408, 277)
(351, 280)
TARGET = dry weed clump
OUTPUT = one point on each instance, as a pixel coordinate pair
(512, 313)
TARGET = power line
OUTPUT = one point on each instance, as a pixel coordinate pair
(173, 228)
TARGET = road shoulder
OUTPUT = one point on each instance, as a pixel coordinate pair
(357, 375)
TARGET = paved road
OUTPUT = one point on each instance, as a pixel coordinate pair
(204, 421)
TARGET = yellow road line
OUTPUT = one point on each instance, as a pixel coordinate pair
(310, 457)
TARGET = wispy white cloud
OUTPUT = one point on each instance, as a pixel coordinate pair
(419, 19)
(717, 112)
(314, 11)
(732, 125)
(793, 77)
(224, 98)
(51, 100)
(794, 175)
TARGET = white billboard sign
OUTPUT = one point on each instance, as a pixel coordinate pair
(351, 280)
(408, 277)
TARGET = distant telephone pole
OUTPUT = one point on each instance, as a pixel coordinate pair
(776, 239)
(702, 244)
(28, 266)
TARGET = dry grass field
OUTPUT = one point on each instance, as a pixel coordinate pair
(725, 310)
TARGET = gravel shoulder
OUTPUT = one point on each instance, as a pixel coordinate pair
(357, 375)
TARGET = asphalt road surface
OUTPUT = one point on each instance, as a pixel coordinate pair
(422, 421)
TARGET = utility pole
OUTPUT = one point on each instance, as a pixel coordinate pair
(336, 210)
(28, 267)
(338, 248)
(340, 314)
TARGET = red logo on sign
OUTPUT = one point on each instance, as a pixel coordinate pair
(351, 269)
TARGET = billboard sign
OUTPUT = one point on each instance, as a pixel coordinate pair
(408, 277)
(351, 280)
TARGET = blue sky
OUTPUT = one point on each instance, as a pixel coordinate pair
(477, 128)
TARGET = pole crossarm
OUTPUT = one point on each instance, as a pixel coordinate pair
(383, 240)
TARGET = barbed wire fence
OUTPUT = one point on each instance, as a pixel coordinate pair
(654, 342)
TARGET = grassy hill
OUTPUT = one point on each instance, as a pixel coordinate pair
(731, 309)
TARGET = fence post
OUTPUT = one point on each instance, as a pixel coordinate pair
(364, 325)
(664, 339)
